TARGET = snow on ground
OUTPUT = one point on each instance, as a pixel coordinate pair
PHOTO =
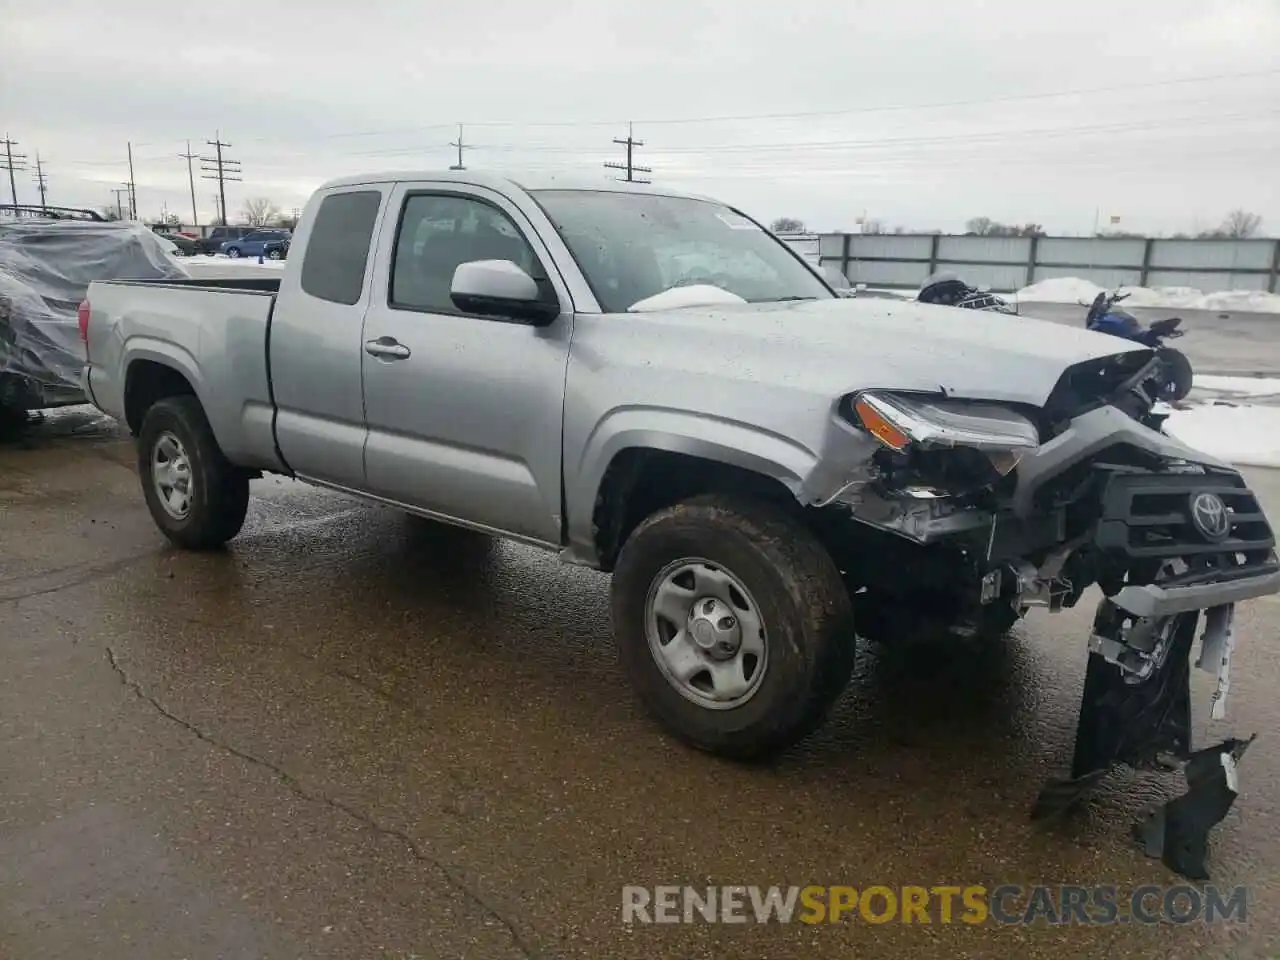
(1247, 436)
(1079, 290)
(1236, 419)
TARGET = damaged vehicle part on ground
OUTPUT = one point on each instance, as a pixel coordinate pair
(655, 387)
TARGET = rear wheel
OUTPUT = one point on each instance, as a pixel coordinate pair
(273, 254)
(196, 497)
(733, 625)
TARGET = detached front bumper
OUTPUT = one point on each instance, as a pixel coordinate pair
(1136, 705)
(1154, 600)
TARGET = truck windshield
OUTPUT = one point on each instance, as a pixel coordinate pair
(632, 246)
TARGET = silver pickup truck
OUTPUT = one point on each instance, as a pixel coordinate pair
(655, 386)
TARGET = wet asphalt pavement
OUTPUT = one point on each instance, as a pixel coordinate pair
(353, 734)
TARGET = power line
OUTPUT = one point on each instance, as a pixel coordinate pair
(221, 169)
(191, 180)
(801, 115)
(13, 162)
(631, 169)
(42, 181)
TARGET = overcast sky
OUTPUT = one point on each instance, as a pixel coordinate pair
(920, 113)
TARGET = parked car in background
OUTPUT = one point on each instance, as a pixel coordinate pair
(256, 243)
(277, 249)
(187, 246)
(212, 242)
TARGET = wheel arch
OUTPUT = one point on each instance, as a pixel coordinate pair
(152, 372)
(639, 461)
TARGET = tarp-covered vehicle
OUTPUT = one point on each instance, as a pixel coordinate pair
(46, 266)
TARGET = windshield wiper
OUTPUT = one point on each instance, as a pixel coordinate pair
(785, 299)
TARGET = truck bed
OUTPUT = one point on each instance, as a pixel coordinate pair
(214, 332)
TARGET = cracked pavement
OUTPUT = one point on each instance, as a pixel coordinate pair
(354, 734)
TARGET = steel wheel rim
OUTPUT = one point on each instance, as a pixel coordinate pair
(717, 665)
(171, 475)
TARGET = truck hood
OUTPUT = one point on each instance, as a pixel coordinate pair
(841, 345)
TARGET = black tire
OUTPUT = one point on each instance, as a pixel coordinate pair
(802, 602)
(1178, 375)
(233, 252)
(219, 495)
(274, 255)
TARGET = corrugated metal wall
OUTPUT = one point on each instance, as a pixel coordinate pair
(1009, 263)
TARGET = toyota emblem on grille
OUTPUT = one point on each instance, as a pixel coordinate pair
(1210, 516)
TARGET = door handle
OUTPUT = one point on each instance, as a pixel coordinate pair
(387, 348)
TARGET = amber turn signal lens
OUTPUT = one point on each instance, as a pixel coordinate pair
(879, 427)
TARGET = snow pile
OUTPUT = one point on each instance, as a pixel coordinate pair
(1242, 300)
(1237, 386)
(1079, 290)
(694, 295)
(1236, 419)
(1060, 290)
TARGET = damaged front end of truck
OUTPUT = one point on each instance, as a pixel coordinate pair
(980, 507)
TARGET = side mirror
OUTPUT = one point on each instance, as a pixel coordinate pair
(499, 288)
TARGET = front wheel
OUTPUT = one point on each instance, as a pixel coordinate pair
(196, 497)
(1178, 375)
(233, 252)
(733, 625)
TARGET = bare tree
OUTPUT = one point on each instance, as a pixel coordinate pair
(787, 225)
(259, 211)
(109, 213)
(979, 226)
(1241, 224)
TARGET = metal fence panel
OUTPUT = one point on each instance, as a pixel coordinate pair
(1104, 277)
(985, 249)
(1091, 251)
(1207, 282)
(890, 246)
(887, 273)
(1211, 254)
(996, 276)
(1000, 262)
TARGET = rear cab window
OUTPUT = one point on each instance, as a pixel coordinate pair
(337, 252)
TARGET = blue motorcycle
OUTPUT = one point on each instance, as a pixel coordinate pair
(1177, 375)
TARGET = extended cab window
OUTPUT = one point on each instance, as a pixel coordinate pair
(338, 249)
(440, 232)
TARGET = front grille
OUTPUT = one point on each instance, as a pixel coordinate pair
(1148, 516)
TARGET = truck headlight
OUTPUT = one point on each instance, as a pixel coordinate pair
(905, 424)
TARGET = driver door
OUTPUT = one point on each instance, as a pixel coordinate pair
(464, 412)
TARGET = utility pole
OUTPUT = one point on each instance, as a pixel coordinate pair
(42, 182)
(221, 169)
(13, 162)
(460, 145)
(133, 190)
(191, 179)
(120, 206)
(631, 169)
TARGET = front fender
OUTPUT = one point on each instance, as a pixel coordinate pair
(730, 442)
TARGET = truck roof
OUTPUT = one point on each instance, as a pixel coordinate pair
(528, 182)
